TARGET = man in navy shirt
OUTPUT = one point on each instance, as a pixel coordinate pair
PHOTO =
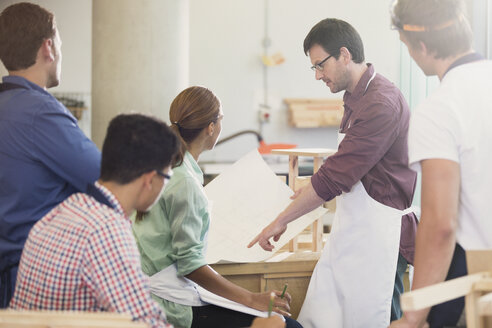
(44, 156)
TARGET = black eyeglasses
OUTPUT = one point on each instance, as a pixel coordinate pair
(164, 175)
(319, 66)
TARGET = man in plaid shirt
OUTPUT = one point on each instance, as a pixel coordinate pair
(82, 256)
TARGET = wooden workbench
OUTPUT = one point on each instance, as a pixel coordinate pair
(296, 270)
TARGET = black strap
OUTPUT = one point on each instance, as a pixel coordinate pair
(97, 194)
(10, 86)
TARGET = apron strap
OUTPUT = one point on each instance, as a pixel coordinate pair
(369, 82)
(412, 209)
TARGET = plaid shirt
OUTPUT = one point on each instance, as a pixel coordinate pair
(82, 256)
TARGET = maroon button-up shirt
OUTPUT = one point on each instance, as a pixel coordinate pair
(375, 151)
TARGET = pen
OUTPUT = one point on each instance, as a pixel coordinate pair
(270, 305)
(283, 292)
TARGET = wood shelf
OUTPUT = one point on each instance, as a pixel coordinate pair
(314, 113)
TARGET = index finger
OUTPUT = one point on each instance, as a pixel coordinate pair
(254, 241)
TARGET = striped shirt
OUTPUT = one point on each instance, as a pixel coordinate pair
(82, 256)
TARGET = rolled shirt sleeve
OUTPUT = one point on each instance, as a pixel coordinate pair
(366, 142)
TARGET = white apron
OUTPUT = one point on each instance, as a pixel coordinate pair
(352, 283)
(169, 286)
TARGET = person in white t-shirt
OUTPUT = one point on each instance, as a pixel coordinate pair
(449, 142)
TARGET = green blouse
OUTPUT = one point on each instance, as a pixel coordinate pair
(174, 231)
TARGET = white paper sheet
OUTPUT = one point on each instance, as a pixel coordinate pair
(248, 196)
(215, 299)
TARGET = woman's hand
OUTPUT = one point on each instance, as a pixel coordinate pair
(261, 301)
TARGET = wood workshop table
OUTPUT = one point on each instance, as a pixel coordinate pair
(296, 270)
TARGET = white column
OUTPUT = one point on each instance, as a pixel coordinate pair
(139, 58)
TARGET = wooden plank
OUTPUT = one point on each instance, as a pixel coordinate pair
(484, 285)
(21, 323)
(473, 319)
(293, 174)
(264, 267)
(36, 324)
(67, 314)
(301, 261)
(313, 100)
(318, 161)
(13, 318)
(314, 118)
(305, 242)
(317, 226)
(312, 113)
(294, 244)
(478, 260)
(303, 256)
(287, 275)
(425, 297)
(310, 152)
(485, 304)
(293, 171)
(317, 235)
(250, 282)
(263, 285)
(316, 107)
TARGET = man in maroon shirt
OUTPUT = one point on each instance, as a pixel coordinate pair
(370, 174)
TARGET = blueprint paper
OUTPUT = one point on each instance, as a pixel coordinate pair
(247, 196)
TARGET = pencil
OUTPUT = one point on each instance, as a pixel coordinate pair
(283, 292)
(270, 305)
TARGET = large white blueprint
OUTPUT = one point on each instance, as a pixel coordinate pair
(246, 197)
